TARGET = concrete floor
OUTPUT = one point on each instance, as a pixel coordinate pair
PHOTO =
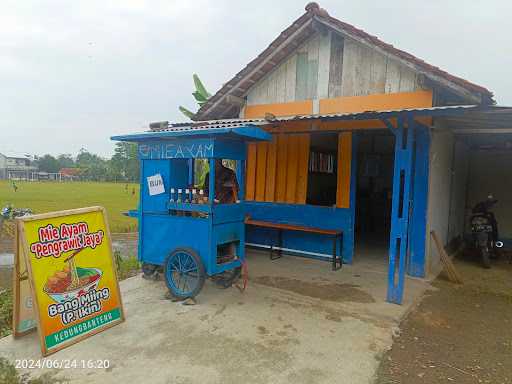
(297, 321)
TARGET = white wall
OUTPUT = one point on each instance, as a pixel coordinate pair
(440, 177)
(459, 186)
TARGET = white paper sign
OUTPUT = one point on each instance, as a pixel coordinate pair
(155, 184)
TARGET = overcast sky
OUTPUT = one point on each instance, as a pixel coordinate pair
(73, 73)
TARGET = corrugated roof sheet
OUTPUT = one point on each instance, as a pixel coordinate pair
(303, 28)
(241, 130)
(453, 112)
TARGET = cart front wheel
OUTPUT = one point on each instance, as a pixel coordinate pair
(184, 273)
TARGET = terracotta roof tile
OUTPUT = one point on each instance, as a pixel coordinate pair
(313, 11)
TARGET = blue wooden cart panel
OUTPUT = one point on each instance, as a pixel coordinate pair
(162, 235)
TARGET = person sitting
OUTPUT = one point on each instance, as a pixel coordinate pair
(226, 184)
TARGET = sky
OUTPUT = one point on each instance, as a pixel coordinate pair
(74, 73)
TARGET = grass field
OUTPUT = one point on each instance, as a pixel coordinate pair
(53, 196)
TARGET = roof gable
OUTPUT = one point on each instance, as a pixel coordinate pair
(315, 19)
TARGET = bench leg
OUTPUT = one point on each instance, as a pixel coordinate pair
(279, 244)
(334, 253)
(334, 243)
(341, 250)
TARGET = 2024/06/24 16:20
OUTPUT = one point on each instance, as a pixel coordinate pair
(61, 364)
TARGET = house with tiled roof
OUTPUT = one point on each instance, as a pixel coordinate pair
(366, 140)
(320, 57)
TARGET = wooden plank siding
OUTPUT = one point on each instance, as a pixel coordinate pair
(270, 183)
(302, 171)
(377, 102)
(301, 77)
(344, 170)
(250, 171)
(261, 170)
(292, 168)
(336, 65)
(280, 169)
(282, 158)
(330, 66)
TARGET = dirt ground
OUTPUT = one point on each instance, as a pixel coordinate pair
(297, 322)
(458, 334)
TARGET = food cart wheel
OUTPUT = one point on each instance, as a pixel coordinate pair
(184, 273)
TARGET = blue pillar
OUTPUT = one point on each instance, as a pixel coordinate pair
(418, 224)
(401, 203)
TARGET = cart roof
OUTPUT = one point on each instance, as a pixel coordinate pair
(247, 132)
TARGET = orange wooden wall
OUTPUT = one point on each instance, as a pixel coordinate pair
(344, 169)
(277, 171)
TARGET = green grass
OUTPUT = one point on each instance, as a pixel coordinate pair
(5, 313)
(53, 196)
(126, 266)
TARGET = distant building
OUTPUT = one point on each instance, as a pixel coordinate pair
(15, 167)
(70, 173)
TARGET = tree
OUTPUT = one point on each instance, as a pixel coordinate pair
(48, 163)
(200, 94)
(93, 167)
(66, 161)
(124, 163)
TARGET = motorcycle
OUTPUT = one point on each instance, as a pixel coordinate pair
(484, 229)
(9, 212)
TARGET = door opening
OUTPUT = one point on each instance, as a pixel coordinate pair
(375, 163)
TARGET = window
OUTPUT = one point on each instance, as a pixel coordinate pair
(303, 168)
(322, 170)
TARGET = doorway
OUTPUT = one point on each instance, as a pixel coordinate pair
(374, 190)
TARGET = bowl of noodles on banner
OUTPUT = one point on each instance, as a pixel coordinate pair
(67, 284)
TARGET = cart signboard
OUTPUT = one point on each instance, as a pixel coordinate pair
(72, 275)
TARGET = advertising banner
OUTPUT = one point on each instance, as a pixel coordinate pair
(72, 274)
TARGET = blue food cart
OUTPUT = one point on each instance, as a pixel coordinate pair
(190, 236)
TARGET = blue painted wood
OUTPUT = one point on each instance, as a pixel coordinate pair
(211, 180)
(156, 203)
(177, 149)
(161, 232)
(308, 215)
(418, 225)
(400, 210)
(229, 149)
(240, 175)
(226, 213)
(199, 148)
(140, 222)
(190, 172)
(188, 207)
(178, 176)
(246, 132)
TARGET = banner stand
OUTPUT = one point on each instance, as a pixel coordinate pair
(65, 278)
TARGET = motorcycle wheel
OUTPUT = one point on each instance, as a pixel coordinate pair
(486, 257)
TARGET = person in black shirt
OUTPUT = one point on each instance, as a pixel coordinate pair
(226, 184)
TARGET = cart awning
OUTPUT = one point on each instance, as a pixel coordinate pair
(248, 132)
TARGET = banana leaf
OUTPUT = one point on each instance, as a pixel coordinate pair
(200, 87)
(186, 112)
(199, 97)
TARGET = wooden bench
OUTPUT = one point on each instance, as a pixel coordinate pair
(337, 261)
